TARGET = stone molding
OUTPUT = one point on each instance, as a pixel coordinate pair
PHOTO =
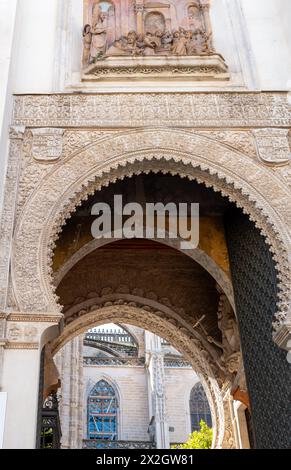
(34, 318)
(29, 346)
(160, 307)
(24, 331)
(210, 67)
(124, 110)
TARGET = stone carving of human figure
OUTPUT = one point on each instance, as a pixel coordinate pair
(158, 38)
(131, 42)
(230, 333)
(230, 344)
(194, 17)
(179, 43)
(150, 44)
(119, 47)
(99, 38)
(167, 40)
(140, 44)
(191, 44)
(130, 45)
(202, 40)
(87, 35)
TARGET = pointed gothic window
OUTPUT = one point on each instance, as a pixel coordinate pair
(199, 408)
(102, 412)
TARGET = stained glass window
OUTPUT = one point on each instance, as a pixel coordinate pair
(199, 408)
(102, 412)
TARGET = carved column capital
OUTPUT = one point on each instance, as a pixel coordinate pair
(138, 7)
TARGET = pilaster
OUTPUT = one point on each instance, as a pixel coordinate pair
(7, 220)
(70, 361)
(155, 365)
(24, 337)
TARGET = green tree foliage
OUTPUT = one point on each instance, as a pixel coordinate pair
(199, 439)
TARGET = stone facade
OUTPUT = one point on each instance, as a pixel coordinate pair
(61, 146)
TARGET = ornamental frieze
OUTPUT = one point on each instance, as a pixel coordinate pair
(123, 110)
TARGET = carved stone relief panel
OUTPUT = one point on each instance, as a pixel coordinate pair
(150, 37)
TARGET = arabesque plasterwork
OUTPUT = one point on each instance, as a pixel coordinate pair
(184, 110)
(240, 177)
(99, 139)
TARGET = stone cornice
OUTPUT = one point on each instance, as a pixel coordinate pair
(34, 317)
(123, 110)
(30, 346)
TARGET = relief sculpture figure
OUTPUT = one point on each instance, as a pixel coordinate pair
(102, 37)
(87, 35)
(99, 38)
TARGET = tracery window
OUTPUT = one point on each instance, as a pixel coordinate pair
(102, 412)
(199, 408)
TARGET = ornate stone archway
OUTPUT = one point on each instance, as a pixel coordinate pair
(107, 158)
(75, 145)
(161, 323)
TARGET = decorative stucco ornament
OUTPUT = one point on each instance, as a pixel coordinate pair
(47, 144)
